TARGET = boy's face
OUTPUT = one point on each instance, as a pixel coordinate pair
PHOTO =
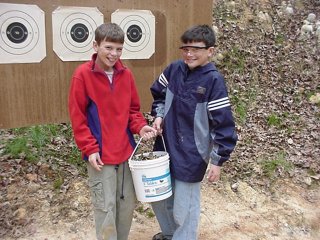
(196, 54)
(107, 54)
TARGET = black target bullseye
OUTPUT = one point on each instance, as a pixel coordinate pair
(134, 33)
(17, 32)
(79, 33)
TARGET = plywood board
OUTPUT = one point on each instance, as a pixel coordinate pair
(37, 93)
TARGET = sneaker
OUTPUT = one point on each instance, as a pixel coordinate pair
(159, 236)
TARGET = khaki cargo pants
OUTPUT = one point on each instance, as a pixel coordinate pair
(113, 199)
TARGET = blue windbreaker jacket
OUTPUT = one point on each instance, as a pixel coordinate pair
(198, 125)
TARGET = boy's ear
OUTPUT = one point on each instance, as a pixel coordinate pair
(211, 52)
(95, 46)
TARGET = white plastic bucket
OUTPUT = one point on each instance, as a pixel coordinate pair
(151, 178)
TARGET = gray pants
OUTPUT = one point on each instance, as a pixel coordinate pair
(113, 199)
(179, 215)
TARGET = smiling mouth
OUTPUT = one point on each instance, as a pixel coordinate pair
(111, 60)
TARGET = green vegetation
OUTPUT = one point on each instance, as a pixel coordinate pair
(148, 211)
(242, 101)
(45, 142)
(74, 157)
(18, 148)
(279, 39)
(283, 121)
(39, 136)
(240, 108)
(235, 60)
(274, 120)
(276, 163)
(58, 182)
(140, 209)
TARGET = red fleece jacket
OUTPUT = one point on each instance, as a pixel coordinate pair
(103, 115)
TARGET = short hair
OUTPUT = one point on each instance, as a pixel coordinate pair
(110, 32)
(199, 33)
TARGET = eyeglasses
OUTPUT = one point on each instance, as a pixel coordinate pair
(191, 49)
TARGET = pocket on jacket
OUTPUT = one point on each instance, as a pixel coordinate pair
(97, 194)
(192, 96)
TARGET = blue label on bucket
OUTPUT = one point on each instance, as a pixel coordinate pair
(148, 180)
(156, 186)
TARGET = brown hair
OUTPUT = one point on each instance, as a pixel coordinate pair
(109, 32)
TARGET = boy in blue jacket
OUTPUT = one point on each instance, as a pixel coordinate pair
(192, 110)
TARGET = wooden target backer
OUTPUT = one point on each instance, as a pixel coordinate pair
(37, 93)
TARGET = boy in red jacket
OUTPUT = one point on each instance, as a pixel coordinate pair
(104, 109)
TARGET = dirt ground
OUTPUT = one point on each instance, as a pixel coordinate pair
(229, 212)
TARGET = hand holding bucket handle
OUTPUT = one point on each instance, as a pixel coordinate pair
(148, 132)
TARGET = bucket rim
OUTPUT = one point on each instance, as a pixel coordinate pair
(161, 153)
(150, 162)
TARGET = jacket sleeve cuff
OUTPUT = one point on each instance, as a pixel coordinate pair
(89, 152)
(218, 160)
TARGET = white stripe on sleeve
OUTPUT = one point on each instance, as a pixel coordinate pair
(219, 103)
(162, 80)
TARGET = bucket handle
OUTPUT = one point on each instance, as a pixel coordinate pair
(135, 149)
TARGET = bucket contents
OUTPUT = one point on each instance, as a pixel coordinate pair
(145, 156)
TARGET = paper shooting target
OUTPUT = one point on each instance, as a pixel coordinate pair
(22, 33)
(73, 32)
(139, 27)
